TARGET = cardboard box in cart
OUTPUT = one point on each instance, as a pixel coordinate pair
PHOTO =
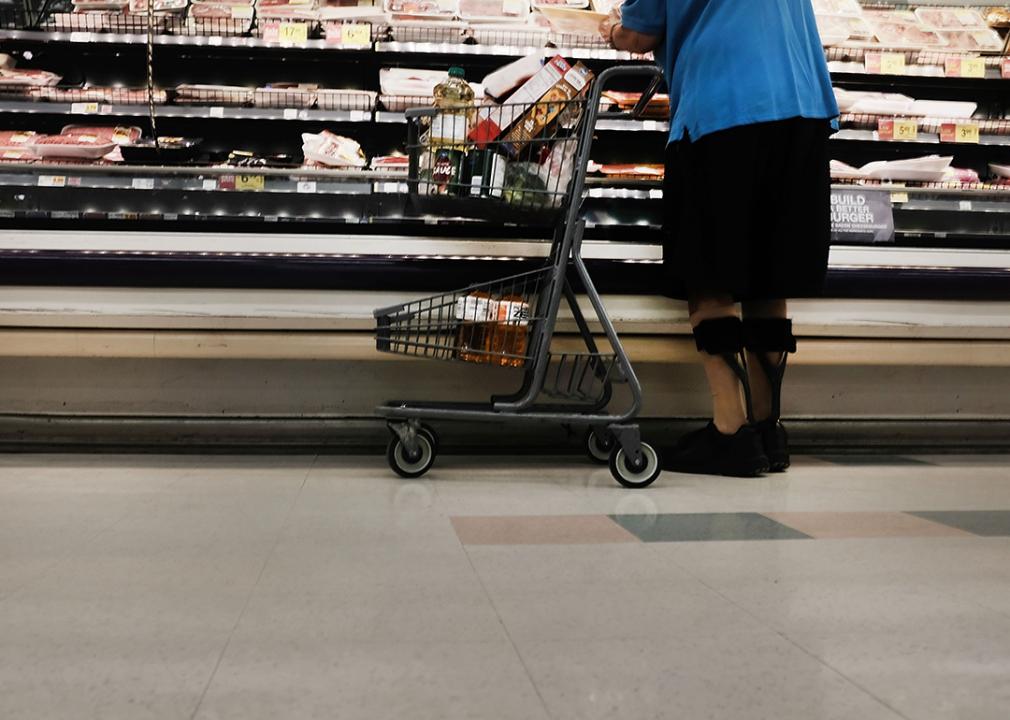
(535, 120)
(493, 120)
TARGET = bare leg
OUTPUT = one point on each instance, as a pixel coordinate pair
(761, 392)
(727, 402)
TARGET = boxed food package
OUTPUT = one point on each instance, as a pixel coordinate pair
(499, 83)
(493, 120)
(541, 114)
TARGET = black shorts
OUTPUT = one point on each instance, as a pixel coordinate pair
(748, 212)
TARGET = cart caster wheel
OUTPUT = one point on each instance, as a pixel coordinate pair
(627, 474)
(436, 441)
(599, 448)
(412, 466)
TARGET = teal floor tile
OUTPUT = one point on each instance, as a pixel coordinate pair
(706, 526)
(989, 523)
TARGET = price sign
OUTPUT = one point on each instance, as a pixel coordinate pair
(250, 182)
(52, 181)
(965, 67)
(82, 37)
(226, 182)
(143, 183)
(357, 34)
(289, 32)
(885, 63)
(209, 184)
(290, 114)
(88, 108)
(216, 112)
(893, 129)
(959, 133)
(307, 186)
(899, 197)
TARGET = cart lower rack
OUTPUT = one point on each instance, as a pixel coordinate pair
(500, 162)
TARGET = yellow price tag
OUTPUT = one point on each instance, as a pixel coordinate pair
(293, 32)
(966, 133)
(356, 34)
(250, 182)
(86, 108)
(892, 63)
(906, 130)
(973, 67)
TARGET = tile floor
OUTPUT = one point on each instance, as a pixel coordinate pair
(199, 588)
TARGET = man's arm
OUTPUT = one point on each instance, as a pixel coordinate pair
(622, 38)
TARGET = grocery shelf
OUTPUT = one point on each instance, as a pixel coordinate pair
(923, 138)
(205, 112)
(129, 38)
(634, 125)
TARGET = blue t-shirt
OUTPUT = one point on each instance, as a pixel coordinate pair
(736, 62)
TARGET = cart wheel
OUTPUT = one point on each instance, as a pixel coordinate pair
(630, 476)
(408, 466)
(599, 448)
(436, 441)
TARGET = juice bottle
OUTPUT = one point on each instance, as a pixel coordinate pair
(509, 335)
(476, 313)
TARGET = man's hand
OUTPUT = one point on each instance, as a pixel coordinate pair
(607, 24)
(618, 36)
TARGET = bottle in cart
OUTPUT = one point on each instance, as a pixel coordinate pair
(476, 313)
(447, 140)
(508, 337)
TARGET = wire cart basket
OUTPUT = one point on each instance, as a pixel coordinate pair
(498, 162)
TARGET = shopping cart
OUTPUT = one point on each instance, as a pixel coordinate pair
(537, 172)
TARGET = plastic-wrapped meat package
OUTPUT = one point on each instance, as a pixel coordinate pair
(972, 39)
(494, 10)
(434, 9)
(213, 94)
(286, 10)
(77, 147)
(160, 6)
(121, 135)
(285, 95)
(16, 139)
(833, 29)
(951, 18)
(332, 150)
(348, 100)
(900, 34)
(14, 76)
(557, 170)
(838, 7)
(965, 176)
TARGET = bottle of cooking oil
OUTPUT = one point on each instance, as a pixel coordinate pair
(509, 335)
(454, 100)
(476, 314)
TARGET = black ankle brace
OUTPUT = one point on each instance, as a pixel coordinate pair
(769, 335)
(723, 337)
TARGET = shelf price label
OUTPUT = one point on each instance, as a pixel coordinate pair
(143, 183)
(885, 63)
(293, 32)
(895, 129)
(52, 181)
(899, 197)
(86, 108)
(349, 34)
(965, 67)
(250, 182)
(306, 186)
(959, 133)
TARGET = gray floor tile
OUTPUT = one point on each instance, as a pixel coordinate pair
(697, 527)
(988, 523)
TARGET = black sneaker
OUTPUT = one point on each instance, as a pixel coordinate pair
(709, 452)
(776, 444)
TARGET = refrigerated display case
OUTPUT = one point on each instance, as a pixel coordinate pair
(232, 91)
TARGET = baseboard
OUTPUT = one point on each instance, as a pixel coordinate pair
(279, 435)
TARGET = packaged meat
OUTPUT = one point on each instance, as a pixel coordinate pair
(213, 95)
(997, 17)
(901, 16)
(433, 9)
(16, 139)
(841, 171)
(101, 5)
(836, 29)
(494, 10)
(160, 6)
(406, 87)
(16, 76)
(965, 176)
(285, 95)
(638, 171)
(504, 80)
(657, 107)
(575, 4)
(951, 18)
(972, 39)
(24, 155)
(73, 95)
(838, 7)
(367, 13)
(904, 35)
(1002, 171)
(931, 168)
(873, 103)
(79, 147)
(287, 12)
(121, 135)
(329, 99)
(946, 109)
(332, 150)
(572, 21)
(390, 163)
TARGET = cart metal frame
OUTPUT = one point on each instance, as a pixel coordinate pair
(612, 437)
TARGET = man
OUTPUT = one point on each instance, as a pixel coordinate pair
(747, 195)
